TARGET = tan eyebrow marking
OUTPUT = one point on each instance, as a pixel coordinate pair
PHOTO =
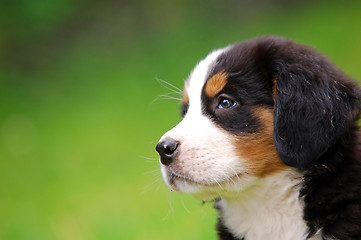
(185, 93)
(216, 83)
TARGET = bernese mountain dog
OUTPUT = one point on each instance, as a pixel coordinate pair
(270, 133)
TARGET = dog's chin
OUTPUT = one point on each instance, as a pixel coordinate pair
(206, 191)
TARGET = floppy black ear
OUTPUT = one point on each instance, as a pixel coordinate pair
(315, 104)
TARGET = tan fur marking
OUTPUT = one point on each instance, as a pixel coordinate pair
(274, 87)
(215, 84)
(258, 148)
(185, 93)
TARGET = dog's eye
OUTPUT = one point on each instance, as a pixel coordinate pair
(225, 103)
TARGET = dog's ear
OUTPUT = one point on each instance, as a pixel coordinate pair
(315, 103)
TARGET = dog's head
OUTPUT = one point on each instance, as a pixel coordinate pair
(254, 109)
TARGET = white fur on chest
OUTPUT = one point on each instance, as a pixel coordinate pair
(270, 209)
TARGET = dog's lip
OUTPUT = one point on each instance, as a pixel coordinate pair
(176, 176)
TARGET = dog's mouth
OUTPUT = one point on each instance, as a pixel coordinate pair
(176, 176)
(174, 179)
(177, 181)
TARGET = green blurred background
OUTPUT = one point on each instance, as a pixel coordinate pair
(80, 112)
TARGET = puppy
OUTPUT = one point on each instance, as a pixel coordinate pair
(270, 132)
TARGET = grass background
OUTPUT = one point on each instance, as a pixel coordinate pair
(78, 116)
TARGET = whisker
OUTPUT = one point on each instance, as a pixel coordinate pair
(151, 186)
(167, 97)
(169, 86)
(171, 210)
(153, 142)
(148, 158)
(227, 177)
(184, 206)
(219, 194)
(217, 182)
(235, 173)
(151, 171)
(160, 184)
(170, 93)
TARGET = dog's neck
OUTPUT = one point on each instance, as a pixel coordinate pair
(270, 209)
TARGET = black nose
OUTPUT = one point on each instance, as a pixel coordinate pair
(166, 150)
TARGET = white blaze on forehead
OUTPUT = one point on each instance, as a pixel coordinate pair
(193, 120)
(198, 78)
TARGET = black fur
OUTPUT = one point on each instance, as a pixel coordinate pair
(315, 101)
(316, 109)
(245, 85)
(184, 109)
(223, 232)
(332, 189)
(315, 105)
(239, 119)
